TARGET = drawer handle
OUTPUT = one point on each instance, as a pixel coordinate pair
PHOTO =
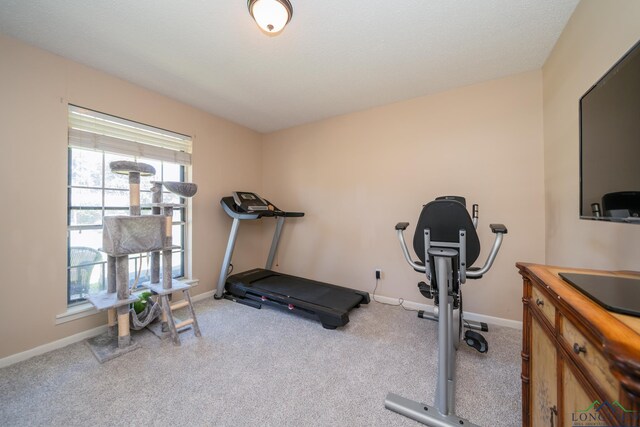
(539, 302)
(554, 411)
(577, 348)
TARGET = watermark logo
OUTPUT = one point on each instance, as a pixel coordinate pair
(594, 415)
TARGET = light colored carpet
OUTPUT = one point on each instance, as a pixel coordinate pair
(265, 367)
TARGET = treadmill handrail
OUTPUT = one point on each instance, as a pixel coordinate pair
(290, 214)
(230, 207)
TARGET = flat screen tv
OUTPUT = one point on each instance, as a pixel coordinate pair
(610, 144)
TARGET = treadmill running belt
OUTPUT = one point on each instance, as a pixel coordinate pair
(309, 291)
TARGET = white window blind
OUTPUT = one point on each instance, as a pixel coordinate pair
(98, 131)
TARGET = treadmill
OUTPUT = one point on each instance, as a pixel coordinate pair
(327, 303)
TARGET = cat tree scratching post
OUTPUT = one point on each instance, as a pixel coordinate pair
(134, 170)
(156, 200)
(167, 286)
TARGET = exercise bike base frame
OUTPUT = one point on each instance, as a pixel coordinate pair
(422, 413)
(443, 413)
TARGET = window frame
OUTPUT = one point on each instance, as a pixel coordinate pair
(182, 222)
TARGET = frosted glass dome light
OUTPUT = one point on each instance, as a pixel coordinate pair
(271, 15)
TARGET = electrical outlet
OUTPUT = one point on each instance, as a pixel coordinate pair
(378, 273)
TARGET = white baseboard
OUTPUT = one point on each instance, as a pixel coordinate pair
(515, 324)
(54, 345)
(204, 295)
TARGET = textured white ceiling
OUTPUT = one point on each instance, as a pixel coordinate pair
(335, 56)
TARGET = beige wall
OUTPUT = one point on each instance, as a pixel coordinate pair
(357, 175)
(35, 87)
(597, 35)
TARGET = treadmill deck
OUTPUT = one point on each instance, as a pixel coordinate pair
(326, 302)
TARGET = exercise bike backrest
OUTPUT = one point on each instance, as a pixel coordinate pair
(445, 217)
(449, 224)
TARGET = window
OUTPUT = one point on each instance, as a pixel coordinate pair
(94, 192)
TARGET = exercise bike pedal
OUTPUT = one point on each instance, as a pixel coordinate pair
(425, 290)
(477, 341)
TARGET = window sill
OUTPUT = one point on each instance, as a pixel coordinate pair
(76, 312)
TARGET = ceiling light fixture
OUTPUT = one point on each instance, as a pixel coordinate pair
(271, 15)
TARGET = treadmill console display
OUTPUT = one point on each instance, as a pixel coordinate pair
(250, 202)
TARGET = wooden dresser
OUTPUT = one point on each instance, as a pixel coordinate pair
(580, 362)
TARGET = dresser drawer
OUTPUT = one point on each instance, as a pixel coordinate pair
(591, 357)
(544, 304)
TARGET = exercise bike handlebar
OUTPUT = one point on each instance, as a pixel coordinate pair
(400, 227)
(498, 229)
(492, 255)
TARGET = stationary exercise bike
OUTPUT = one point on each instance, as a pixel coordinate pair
(447, 245)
